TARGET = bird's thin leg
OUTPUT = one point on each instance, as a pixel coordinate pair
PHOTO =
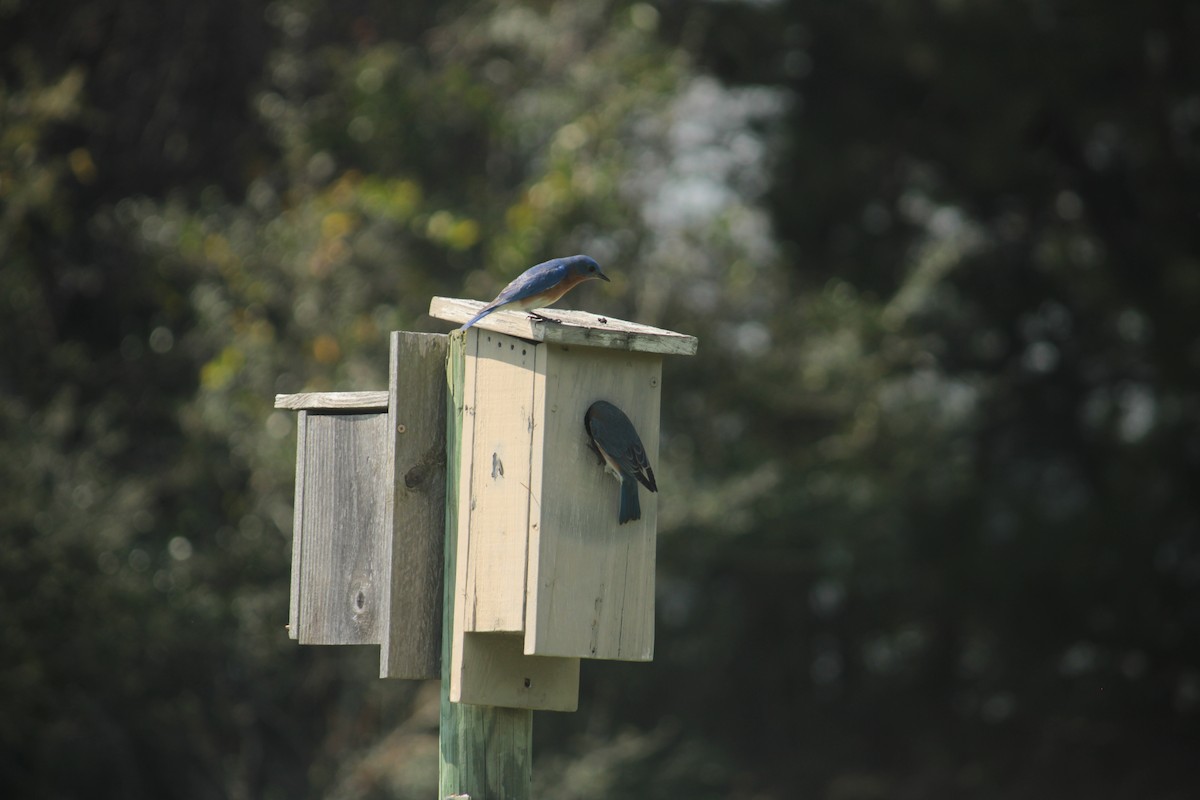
(536, 315)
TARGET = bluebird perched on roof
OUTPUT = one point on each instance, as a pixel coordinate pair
(541, 285)
(616, 442)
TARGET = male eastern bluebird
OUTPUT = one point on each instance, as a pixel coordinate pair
(616, 442)
(541, 285)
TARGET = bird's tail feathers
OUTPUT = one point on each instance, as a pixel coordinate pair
(631, 506)
(483, 312)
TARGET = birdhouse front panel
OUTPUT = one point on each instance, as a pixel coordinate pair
(498, 425)
(339, 584)
(591, 576)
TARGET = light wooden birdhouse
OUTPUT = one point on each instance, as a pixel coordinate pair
(544, 573)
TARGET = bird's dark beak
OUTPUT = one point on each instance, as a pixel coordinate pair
(602, 276)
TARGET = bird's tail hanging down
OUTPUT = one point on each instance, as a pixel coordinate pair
(631, 506)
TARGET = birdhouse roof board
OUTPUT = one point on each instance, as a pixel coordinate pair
(580, 328)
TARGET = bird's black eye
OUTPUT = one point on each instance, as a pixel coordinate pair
(592, 268)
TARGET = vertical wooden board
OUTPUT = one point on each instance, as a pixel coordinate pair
(493, 670)
(484, 751)
(498, 389)
(591, 580)
(297, 528)
(416, 471)
(344, 524)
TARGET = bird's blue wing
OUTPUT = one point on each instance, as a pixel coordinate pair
(640, 466)
(615, 434)
(535, 280)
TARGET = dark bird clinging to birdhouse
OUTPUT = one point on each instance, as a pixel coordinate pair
(616, 442)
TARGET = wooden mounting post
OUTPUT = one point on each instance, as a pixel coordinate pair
(485, 751)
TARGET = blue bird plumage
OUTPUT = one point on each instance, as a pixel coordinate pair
(542, 284)
(616, 442)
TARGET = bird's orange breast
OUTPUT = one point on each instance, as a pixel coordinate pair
(551, 295)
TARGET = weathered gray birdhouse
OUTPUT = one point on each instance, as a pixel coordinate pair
(538, 572)
(369, 512)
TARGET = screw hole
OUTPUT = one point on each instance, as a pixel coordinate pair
(528, 683)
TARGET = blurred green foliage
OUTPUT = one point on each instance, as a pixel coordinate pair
(930, 519)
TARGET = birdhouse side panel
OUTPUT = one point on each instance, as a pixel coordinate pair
(297, 528)
(498, 426)
(344, 522)
(591, 583)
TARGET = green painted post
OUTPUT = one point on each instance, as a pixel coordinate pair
(485, 752)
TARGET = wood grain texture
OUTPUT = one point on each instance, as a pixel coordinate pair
(570, 327)
(344, 522)
(485, 752)
(498, 409)
(493, 512)
(293, 627)
(496, 671)
(591, 580)
(333, 401)
(416, 473)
